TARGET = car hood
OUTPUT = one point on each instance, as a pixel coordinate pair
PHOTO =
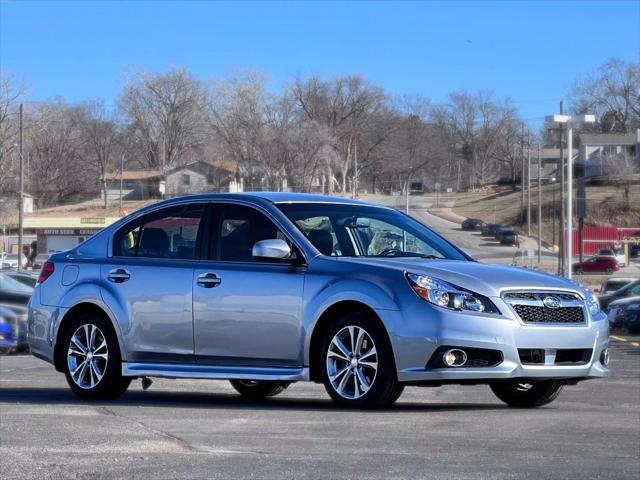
(485, 279)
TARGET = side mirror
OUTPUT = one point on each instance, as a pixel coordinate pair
(272, 249)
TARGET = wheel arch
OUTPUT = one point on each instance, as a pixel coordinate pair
(324, 321)
(80, 308)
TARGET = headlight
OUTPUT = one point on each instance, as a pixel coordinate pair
(449, 296)
(3, 320)
(592, 303)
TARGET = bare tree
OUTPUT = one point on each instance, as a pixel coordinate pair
(99, 139)
(10, 95)
(478, 124)
(237, 111)
(612, 92)
(56, 169)
(166, 114)
(622, 169)
(345, 105)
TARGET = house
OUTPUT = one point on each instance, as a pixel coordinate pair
(194, 177)
(595, 148)
(200, 177)
(136, 184)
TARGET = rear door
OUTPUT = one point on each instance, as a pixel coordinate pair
(246, 312)
(149, 278)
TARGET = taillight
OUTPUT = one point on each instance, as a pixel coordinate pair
(47, 270)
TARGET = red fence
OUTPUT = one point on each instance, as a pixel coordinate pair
(595, 238)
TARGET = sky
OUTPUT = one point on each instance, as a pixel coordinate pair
(529, 51)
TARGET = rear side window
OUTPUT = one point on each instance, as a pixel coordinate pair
(168, 233)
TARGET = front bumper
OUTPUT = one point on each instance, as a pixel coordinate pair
(418, 330)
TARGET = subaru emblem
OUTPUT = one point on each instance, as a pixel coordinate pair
(551, 302)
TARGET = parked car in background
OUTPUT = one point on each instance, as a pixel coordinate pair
(26, 278)
(609, 252)
(11, 259)
(625, 313)
(472, 224)
(266, 289)
(606, 265)
(508, 236)
(489, 229)
(8, 330)
(12, 291)
(612, 284)
(20, 313)
(630, 290)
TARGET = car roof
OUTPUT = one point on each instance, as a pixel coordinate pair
(271, 197)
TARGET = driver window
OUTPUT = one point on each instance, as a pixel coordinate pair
(240, 228)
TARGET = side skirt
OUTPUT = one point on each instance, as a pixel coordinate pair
(172, 370)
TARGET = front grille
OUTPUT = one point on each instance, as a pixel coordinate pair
(535, 314)
(539, 296)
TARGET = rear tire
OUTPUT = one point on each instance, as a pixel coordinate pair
(526, 393)
(579, 271)
(258, 390)
(92, 361)
(357, 365)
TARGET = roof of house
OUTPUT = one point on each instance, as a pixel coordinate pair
(199, 166)
(595, 139)
(206, 167)
(133, 175)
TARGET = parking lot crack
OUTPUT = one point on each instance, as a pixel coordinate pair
(160, 433)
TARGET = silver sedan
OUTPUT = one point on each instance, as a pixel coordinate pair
(273, 288)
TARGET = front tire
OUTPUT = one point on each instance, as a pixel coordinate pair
(357, 365)
(92, 365)
(258, 390)
(527, 393)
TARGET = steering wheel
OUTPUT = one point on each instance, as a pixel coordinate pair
(389, 252)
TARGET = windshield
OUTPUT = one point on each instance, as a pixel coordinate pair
(366, 231)
(9, 284)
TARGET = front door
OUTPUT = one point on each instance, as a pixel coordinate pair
(150, 277)
(246, 312)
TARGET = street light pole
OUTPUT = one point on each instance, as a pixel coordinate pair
(529, 184)
(569, 249)
(570, 121)
(539, 205)
(21, 186)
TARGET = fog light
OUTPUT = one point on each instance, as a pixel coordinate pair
(604, 357)
(454, 357)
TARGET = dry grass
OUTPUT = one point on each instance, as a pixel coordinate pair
(606, 206)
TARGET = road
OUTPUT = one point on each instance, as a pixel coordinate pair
(202, 429)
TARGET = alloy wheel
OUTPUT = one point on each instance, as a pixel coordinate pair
(87, 356)
(352, 362)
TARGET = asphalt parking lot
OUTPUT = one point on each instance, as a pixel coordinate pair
(202, 429)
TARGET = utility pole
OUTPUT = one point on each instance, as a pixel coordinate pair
(121, 175)
(529, 184)
(21, 186)
(522, 175)
(406, 192)
(539, 206)
(355, 170)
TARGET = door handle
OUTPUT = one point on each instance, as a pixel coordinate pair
(208, 280)
(119, 275)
